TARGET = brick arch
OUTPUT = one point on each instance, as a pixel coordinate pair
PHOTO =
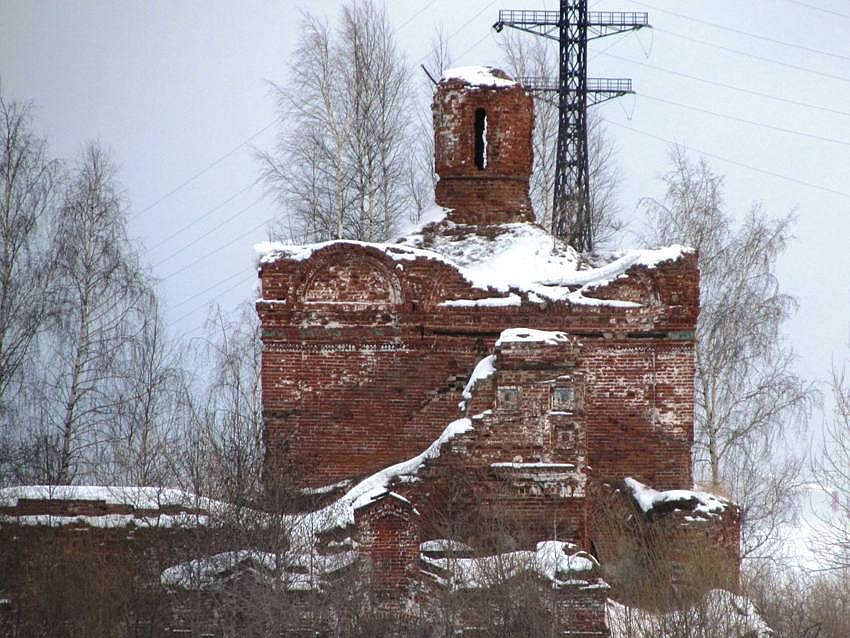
(639, 286)
(347, 274)
(445, 284)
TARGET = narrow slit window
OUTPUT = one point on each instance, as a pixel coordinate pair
(480, 139)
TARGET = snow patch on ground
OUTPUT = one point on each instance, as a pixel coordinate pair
(720, 613)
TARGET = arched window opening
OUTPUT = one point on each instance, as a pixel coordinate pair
(480, 139)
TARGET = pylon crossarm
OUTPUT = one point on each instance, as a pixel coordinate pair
(542, 30)
(595, 33)
(538, 84)
(594, 98)
(601, 24)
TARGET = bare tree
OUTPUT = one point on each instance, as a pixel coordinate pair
(151, 418)
(224, 442)
(100, 289)
(747, 394)
(421, 178)
(339, 169)
(832, 470)
(534, 58)
(29, 182)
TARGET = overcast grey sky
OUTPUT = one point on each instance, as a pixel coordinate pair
(177, 91)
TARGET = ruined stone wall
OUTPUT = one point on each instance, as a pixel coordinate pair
(96, 576)
(665, 556)
(351, 387)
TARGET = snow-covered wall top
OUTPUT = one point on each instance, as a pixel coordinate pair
(147, 498)
(521, 257)
(483, 76)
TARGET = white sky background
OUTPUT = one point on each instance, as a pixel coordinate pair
(172, 87)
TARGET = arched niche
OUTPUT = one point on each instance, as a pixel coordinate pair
(350, 277)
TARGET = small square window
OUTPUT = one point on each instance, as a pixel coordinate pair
(508, 398)
(563, 398)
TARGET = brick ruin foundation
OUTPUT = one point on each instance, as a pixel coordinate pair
(477, 391)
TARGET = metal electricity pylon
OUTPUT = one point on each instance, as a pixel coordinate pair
(573, 26)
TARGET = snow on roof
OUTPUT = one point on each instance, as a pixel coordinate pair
(295, 570)
(483, 369)
(719, 613)
(270, 251)
(145, 498)
(107, 521)
(531, 335)
(550, 559)
(484, 76)
(199, 511)
(340, 513)
(445, 545)
(524, 257)
(517, 257)
(699, 502)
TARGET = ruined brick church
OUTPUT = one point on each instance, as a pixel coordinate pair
(471, 406)
(476, 384)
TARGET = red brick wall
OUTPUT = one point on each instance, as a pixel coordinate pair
(499, 192)
(388, 533)
(639, 409)
(351, 388)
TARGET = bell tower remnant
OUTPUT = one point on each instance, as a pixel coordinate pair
(482, 139)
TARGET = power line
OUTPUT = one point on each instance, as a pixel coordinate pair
(208, 167)
(183, 302)
(468, 22)
(746, 121)
(414, 16)
(756, 169)
(821, 9)
(201, 217)
(217, 250)
(754, 56)
(238, 284)
(742, 32)
(208, 233)
(727, 86)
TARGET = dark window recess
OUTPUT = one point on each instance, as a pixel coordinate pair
(480, 139)
(563, 398)
(508, 398)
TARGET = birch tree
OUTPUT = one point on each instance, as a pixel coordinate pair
(747, 393)
(339, 166)
(832, 470)
(145, 435)
(29, 180)
(100, 288)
